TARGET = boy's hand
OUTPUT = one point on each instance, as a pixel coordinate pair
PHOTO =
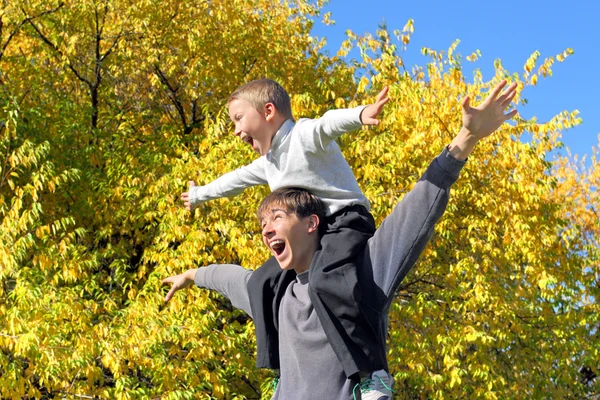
(185, 197)
(481, 121)
(179, 282)
(369, 114)
(484, 119)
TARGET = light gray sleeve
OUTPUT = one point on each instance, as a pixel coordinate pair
(398, 242)
(319, 133)
(230, 184)
(229, 280)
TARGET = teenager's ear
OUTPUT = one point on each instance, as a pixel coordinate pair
(270, 111)
(313, 223)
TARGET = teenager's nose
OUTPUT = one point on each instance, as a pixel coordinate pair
(267, 230)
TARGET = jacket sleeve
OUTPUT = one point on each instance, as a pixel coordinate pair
(229, 280)
(399, 241)
(230, 184)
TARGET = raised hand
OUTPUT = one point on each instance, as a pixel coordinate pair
(369, 114)
(481, 121)
(484, 119)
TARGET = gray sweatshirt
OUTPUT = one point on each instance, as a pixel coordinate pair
(303, 154)
(309, 367)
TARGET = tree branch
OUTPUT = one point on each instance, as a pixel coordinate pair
(173, 96)
(56, 49)
(20, 24)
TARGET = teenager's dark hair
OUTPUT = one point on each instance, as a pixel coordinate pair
(262, 91)
(297, 200)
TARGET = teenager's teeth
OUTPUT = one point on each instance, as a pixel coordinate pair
(277, 246)
(276, 242)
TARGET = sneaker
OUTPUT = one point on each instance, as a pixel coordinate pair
(378, 386)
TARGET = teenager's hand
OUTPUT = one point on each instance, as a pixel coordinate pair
(484, 119)
(185, 197)
(481, 121)
(179, 282)
(369, 114)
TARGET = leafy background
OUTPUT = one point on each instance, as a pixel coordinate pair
(110, 107)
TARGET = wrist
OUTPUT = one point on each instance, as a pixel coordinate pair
(463, 144)
(190, 274)
(360, 115)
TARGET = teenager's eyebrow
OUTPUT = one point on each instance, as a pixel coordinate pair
(270, 212)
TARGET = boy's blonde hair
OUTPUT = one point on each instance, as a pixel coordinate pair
(262, 91)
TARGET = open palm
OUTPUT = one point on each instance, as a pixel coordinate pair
(484, 119)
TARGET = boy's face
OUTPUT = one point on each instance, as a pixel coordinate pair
(252, 126)
(292, 240)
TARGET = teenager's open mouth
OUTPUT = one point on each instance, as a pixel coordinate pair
(249, 140)
(277, 246)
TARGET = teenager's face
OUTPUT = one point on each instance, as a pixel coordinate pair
(252, 126)
(292, 240)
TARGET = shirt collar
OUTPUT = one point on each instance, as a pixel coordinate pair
(284, 129)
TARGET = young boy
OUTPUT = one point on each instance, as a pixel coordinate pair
(310, 369)
(304, 154)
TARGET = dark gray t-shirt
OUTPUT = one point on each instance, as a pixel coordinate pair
(309, 367)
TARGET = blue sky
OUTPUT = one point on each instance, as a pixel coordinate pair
(510, 30)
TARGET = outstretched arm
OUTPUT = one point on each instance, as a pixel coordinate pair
(228, 279)
(481, 121)
(402, 236)
(399, 241)
(335, 123)
(228, 185)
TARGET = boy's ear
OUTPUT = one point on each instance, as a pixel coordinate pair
(270, 111)
(313, 223)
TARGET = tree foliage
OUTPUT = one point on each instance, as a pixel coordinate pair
(109, 107)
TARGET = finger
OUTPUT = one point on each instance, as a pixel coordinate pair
(191, 183)
(170, 294)
(185, 196)
(381, 103)
(465, 103)
(497, 89)
(510, 115)
(508, 100)
(510, 91)
(382, 94)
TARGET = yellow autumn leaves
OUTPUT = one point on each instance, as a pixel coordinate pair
(96, 146)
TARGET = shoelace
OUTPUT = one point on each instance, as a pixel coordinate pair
(366, 386)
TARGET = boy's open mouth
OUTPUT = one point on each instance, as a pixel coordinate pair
(278, 246)
(249, 140)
